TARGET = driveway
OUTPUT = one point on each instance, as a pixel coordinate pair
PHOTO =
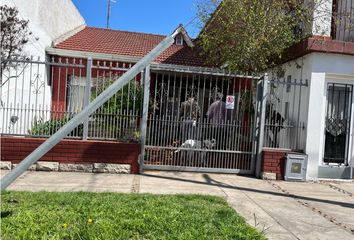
(282, 210)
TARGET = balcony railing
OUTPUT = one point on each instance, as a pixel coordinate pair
(343, 20)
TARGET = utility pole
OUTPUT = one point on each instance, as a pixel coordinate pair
(109, 10)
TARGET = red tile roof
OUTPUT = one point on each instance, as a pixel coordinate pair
(133, 44)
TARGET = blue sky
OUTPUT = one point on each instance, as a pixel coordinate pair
(149, 16)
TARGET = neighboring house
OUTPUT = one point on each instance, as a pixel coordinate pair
(90, 59)
(178, 75)
(108, 46)
(314, 93)
(27, 83)
(327, 105)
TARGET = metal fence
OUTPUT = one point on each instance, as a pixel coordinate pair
(343, 20)
(200, 121)
(196, 120)
(38, 97)
(286, 114)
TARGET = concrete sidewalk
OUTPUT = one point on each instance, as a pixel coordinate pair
(283, 210)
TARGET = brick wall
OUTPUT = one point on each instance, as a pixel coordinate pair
(15, 149)
(273, 161)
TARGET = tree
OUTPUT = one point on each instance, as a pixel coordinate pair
(14, 35)
(251, 35)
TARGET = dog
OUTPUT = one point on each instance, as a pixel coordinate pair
(274, 123)
(195, 144)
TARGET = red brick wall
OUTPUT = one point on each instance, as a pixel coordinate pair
(273, 161)
(15, 149)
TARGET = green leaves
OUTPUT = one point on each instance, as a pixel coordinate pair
(48, 128)
(128, 99)
(251, 35)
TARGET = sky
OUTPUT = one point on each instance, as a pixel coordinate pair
(148, 16)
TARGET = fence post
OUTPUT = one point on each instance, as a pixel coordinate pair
(145, 111)
(87, 111)
(87, 95)
(262, 114)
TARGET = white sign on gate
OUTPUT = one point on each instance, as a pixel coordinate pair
(230, 102)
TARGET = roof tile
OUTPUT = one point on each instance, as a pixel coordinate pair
(100, 40)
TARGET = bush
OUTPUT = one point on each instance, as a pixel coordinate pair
(128, 99)
(47, 128)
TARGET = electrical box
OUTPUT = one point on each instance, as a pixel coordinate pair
(295, 169)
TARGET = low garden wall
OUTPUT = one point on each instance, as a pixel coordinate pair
(73, 155)
(273, 163)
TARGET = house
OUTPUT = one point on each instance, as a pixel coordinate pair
(309, 106)
(179, 75)
(306, 111)
(27, 82)
(84, 62)
(328, 65)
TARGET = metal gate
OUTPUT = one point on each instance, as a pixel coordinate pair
(201, 122)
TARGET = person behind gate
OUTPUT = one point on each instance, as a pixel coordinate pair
(189, 114)
(216, 116)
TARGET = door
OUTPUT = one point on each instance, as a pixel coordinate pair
(338, 123)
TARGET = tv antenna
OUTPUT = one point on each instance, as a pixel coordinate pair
(109, 10)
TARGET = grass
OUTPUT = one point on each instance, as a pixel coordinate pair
(46, 215)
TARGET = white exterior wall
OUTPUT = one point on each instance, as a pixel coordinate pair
(48, 21)
(326, 68)
(321, 68)
(322, 17)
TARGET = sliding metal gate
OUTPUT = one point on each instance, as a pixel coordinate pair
(200, 122)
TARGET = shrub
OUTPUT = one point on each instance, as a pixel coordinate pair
(47, 128)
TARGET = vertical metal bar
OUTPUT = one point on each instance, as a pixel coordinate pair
(261, 125)
(347, 118)
(351, 122)
(87, 95)
(145, 110)
(254, 125)
(85, 113)
(174, 96)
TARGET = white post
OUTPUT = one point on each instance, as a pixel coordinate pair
(261, 125)
(87, 95)
(322, 17)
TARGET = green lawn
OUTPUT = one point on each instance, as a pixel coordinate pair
(82, 215)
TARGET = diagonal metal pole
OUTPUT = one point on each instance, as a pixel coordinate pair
(89, 109)
(143, 125)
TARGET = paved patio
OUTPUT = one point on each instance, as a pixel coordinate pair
(283, 210)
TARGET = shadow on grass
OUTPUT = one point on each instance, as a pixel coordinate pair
(5, 214)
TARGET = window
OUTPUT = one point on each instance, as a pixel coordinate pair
(338, 117)
(75, 94)
(179, 40)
